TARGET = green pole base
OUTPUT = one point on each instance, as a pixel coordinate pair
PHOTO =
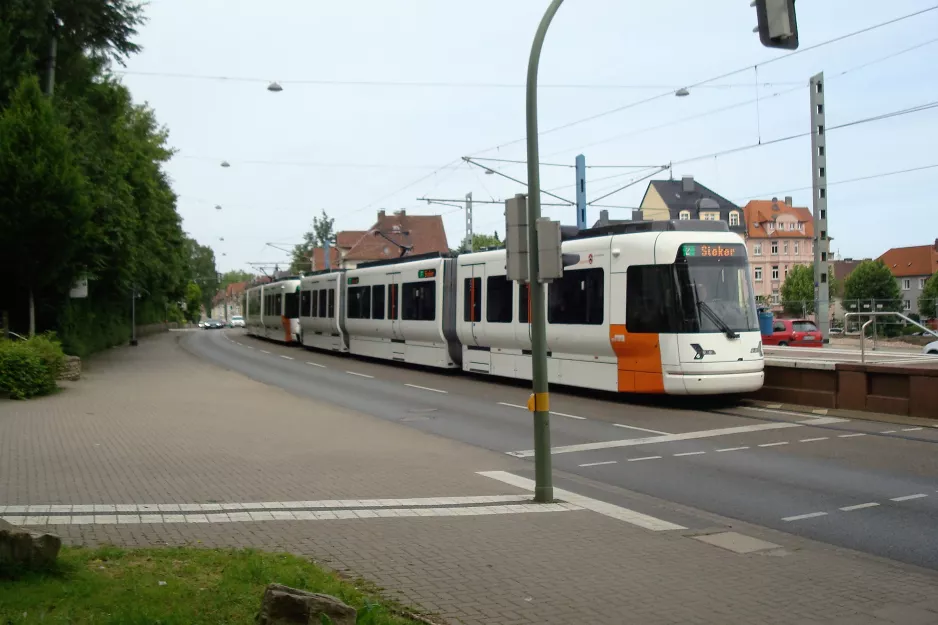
(544, 494)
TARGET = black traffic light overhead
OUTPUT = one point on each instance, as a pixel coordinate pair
(778, 26)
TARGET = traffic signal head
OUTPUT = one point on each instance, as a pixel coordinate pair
(778, 27)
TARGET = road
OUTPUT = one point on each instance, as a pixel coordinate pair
(865, 485)
(791, 356)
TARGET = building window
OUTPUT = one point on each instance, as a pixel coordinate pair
(906, 304)
(758, 274)
(774, 248)
(795, 244)
(576, 299)
(906, 284)
(684, 215)
(785, 247)
(921, 282)
(786, 271)
(377, 301)
(418, 301)
(775, 272)
(498, 291)
(734, 218)
(757, 249)
(775, 297)
(472, 299)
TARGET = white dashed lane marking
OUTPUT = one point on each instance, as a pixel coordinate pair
(811, 440)
(854, 435)
(774, 444)
(426, 388)
(889, 431)
(912, 429)
(361, 375)
(569, 416)
(596, 464)
(908, 497)
(644, 458)
(691, 453)
(264, 351)
(286, 357)
(316, 364)
(860, 506)
(732, 449)
(799, 517)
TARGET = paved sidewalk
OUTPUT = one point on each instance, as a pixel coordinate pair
(154, 446)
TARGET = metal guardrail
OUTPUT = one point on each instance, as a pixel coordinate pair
(879, 314)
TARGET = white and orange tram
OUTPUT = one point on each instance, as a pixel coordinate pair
(650, 307)
(272, 310)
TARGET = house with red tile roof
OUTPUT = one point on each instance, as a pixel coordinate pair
(778, 237)
(912, 267)
(393, 235)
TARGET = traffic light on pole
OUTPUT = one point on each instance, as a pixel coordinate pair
(778, 27)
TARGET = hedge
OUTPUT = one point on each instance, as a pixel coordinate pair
(31, 367)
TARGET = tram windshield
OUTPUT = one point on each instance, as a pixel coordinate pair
(707, 289)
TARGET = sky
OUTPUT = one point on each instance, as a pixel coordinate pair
(381, 99)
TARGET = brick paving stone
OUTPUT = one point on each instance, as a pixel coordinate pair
(155, 425)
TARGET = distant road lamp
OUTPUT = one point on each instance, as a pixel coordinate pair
(218, 207)
(682, 92)
(225, 164)
(274, 87)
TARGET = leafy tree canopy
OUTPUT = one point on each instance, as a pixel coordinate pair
(798, 291)
(928, 301)
(323, 230)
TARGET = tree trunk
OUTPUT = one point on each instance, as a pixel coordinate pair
(32, 314)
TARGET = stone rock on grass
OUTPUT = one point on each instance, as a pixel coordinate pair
(21, 548)
(283, 605)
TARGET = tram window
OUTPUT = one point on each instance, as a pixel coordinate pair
(291, 305)
(377, 301)
(472, 299)
(359, 302)
(392, 301)
(306, 297)
(331, 310)
(498, 299)
(418, 301)
(577, 298)
(278, 301)
(314, 309)
(524, 303)
(650, 300)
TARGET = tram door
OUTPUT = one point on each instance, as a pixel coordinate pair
(393, 304)
(472, 302)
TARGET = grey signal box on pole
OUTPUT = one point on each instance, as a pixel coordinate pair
(778, 26)
(516, 238)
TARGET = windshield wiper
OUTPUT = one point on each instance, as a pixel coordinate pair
(715, 318)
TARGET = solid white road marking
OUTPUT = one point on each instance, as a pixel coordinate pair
(855, 434)
(732, 449)
(860, 506)
(644, 458)
(814, 421)
(596, 464)
(774, 444)
(668, 438)
(691, 453)
(361, 375)
(316, 364)
(912, 429)
(811, 440)
(287, 357)
(569, 416)
(810, 515)
(607, 509)
(264, 351)
(633, 427)
(426, 388)
(908, 497)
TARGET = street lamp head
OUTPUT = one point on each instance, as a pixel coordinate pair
(225, 164)
(275, 87)
(682, 92)
(218, 207)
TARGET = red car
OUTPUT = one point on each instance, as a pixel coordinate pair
(794, 332)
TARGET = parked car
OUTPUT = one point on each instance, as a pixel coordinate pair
(794, 332)
(836, 331)
(931, 349)
(237, 321)
(214, 324)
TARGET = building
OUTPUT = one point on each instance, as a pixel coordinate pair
(392, 236)
(604, 220)
(226, 304)
(778, 237)
(688, 199)
(912, 267)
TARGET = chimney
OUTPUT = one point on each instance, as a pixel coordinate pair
(381, 214)
(687, 183)
(936, 245)
(788, 200)
(402, 213)
(604, 217)
(638, 215)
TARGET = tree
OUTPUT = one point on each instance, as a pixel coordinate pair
(193, 302)
(44, 212)
(928, 300)
(872, 283)
(479, 242)
(202, 270)
(232, 277)
(798, 291)
(322, 231)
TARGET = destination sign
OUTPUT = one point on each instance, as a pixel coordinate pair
(426, 273)
(711, 250)
(353, 280)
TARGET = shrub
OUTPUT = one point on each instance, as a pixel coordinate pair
(49, 350)
(22, 372)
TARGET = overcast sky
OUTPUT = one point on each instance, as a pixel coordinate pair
(352, 149)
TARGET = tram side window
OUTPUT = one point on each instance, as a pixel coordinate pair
(392, 301)
(291, 305)
(418, 301)
(498, 291)
(305, 298)
(278, 304)
(377, 301)
(577, 298)
(314, 307)
(359, 302)
(331, 310)
(651, 304)
(524, 303)
(322, 302)
(472, 299)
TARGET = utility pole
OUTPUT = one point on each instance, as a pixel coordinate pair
(819, 183)
(581, 192)
(472, 246)
(133, 315)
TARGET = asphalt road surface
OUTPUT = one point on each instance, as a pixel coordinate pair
(866, 485)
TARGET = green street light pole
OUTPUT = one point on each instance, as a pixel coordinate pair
(543, 489)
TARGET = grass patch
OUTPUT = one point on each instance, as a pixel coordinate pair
(171, 586)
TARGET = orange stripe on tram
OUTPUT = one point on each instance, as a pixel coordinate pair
(639, 360)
